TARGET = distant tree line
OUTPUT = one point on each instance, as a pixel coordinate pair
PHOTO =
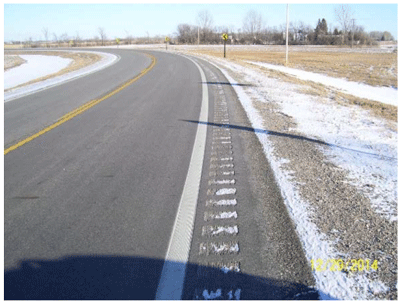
(101, 39)
(253, 31)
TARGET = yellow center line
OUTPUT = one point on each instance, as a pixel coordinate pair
(82, 108)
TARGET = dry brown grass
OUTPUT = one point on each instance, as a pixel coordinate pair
(12, 61)
(376, 69)
(80, 60)
(378, 109)
(8, 46)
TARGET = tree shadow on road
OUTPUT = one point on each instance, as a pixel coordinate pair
(228, 84)
(124, 277)
(278, 134)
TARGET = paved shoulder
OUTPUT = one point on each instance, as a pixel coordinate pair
(244, 243)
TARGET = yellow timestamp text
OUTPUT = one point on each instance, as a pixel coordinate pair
(338, 265)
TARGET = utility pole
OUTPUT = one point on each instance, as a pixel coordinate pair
(198, 35)
(287, 33)
(352, 34)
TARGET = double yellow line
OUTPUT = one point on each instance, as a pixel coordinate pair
(82, 108)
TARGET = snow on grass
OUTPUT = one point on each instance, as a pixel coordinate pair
(360, 144)
(381, 94)
(36, 66)
(363, 146)
(35, 71)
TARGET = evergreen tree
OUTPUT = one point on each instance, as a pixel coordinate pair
(324, 27)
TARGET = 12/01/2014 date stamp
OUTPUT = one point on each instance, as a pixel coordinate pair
(338, 265)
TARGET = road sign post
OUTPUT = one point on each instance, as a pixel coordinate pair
(225, 38)
(166, 43)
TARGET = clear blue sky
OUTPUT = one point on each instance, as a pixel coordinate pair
(22, 21)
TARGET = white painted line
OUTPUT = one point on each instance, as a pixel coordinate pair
(224, 191)
(217, 129)
(212, 295)
(219, 248)
(222, 166)
(221, 182)
(227, 159)
(208, 216)
(218, 230)
(227, 267)
(233, 294)
(236, 294)
(231, 202)
(226, 215)
(212, 174)
(172, 277)
(222, 152)
(219, 146)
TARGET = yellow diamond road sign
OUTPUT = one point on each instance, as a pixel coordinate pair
(225, 37)
(166, 39)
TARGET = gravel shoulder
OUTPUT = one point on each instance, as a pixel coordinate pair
(348, 224)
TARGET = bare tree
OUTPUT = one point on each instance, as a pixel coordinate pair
(102, 34)
(128, 37)
(344, 17)
(205, 22)
(55, 39)
(252, 25)
(45, 31)
(29, 42)
(64, 38)
(186, 34)
(77, 39)
(96, 40)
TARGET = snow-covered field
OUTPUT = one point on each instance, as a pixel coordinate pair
(365, 147)
(38, 66)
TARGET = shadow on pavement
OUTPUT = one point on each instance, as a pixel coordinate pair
(272, 133)
(228, 84)
(118, 277)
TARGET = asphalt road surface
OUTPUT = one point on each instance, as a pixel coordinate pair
(90, 204)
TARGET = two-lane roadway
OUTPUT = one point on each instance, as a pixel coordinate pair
(105, 183)
(144, 180)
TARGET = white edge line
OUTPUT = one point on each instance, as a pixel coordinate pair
(172, 278)
(15, 95)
